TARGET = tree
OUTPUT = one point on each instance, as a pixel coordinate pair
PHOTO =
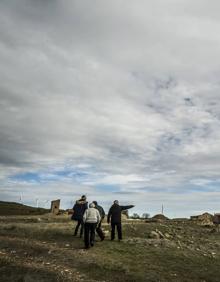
(145, 215)
(135, 216)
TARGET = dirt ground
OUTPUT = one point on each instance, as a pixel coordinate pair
(42, 248)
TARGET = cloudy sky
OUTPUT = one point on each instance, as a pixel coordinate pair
(113, 99)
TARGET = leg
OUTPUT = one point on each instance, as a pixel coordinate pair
(77, 227)
(113, 231)
(82, 228)
(86, 235)
(92, 233)
(100, 232)
(119, 230)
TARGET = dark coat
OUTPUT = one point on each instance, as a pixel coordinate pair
(114, 213)
(101, 211)
(79, 209)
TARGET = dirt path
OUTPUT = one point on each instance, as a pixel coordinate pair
(57, 260)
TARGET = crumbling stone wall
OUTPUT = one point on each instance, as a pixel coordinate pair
(55, 207)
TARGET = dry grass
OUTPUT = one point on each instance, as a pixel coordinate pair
(43, 249)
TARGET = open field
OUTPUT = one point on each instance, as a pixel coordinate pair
(42, 248)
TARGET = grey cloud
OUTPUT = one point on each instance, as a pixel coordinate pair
(125, 87)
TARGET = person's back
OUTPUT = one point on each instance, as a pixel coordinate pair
(91, 218)
(115, 213)
(79, 209)
(91, 215)
(114, 216)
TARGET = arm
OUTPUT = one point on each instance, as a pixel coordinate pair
(84, 216)
(98, 216)
(126, 207)
(103, 213)
(74, 207)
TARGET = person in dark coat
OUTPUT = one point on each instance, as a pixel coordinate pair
(114, 216)
(99, 226)
(78, 211)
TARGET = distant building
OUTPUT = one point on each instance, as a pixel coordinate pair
(55, 206)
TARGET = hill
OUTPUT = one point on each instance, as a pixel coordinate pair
(11, 208)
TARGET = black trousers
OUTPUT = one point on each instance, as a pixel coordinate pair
(79, 223)
(89, 234)
(119, 230)
(99, 231)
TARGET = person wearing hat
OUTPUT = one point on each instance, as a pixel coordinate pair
(114, 216)
(78, 211)
(91, 218)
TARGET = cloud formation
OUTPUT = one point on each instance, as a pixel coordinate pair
(113, 99)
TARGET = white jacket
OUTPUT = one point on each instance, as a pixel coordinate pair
(91, 215)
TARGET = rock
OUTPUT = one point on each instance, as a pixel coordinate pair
(205, 219)
(160, 234)
(167, 235)
(154, 235)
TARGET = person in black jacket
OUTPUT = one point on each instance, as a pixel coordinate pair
(99, 226)
(78, 211)
(114, 216)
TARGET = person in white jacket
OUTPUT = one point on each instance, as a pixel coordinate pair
(91, 218)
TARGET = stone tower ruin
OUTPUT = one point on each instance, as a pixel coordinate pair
(55, 207)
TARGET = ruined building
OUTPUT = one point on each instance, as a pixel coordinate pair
(55, 207)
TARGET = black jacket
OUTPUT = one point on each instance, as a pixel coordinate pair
(79, 209)
(101, 211)
(114, 213)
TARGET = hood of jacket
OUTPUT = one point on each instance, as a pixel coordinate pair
(81, 202)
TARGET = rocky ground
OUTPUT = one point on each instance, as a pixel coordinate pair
(42, 248)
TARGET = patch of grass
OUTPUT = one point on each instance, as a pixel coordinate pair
(191, 254)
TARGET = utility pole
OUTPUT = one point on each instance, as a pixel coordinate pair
(20, 198)
(162, 209)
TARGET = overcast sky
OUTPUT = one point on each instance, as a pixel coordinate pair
(113, 99)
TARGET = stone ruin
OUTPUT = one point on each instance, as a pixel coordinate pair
(216, 218)
(205, 219)
(124, 215)
(55, 207)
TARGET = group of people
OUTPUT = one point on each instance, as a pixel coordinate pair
(89, 219)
